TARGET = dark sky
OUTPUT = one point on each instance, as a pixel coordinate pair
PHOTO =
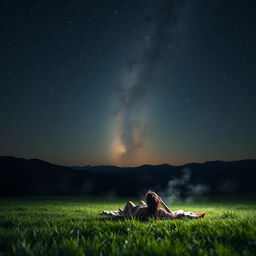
(128, 82)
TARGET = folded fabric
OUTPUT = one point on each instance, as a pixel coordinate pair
(177, 214)
(188, 214)
(113, 213)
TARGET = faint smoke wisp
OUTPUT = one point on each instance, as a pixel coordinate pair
(181, 187)
(139, 79)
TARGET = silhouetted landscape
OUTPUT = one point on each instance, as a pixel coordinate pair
(22, 177)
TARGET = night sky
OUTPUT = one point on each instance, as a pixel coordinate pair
(128, 82)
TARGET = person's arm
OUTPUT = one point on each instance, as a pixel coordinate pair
(164, 215)
(164, 205)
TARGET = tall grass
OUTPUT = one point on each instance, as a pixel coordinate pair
(72, 226)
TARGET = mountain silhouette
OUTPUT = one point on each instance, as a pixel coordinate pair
(27, 177)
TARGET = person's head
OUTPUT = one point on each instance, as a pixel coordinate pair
(153, 203)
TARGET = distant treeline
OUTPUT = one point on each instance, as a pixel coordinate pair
(21, 177)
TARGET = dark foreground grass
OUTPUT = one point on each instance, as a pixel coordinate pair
(72, 226)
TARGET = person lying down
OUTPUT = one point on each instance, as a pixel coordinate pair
(151, 209)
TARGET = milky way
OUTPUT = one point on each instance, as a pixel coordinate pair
(128, 82)
(139, 80)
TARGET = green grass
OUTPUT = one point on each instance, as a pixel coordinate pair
(72, 226)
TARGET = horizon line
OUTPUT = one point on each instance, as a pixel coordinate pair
(109, 165)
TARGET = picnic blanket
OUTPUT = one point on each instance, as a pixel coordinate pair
(175, 213)
(113, 213)
(189, 214)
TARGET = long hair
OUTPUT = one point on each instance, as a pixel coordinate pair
(153, 203)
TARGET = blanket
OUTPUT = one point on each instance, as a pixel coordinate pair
(175, 213)
(113, 213)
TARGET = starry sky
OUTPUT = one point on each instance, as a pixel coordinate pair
(128, 82)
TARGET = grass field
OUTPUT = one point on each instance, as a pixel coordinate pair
(72, 226)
